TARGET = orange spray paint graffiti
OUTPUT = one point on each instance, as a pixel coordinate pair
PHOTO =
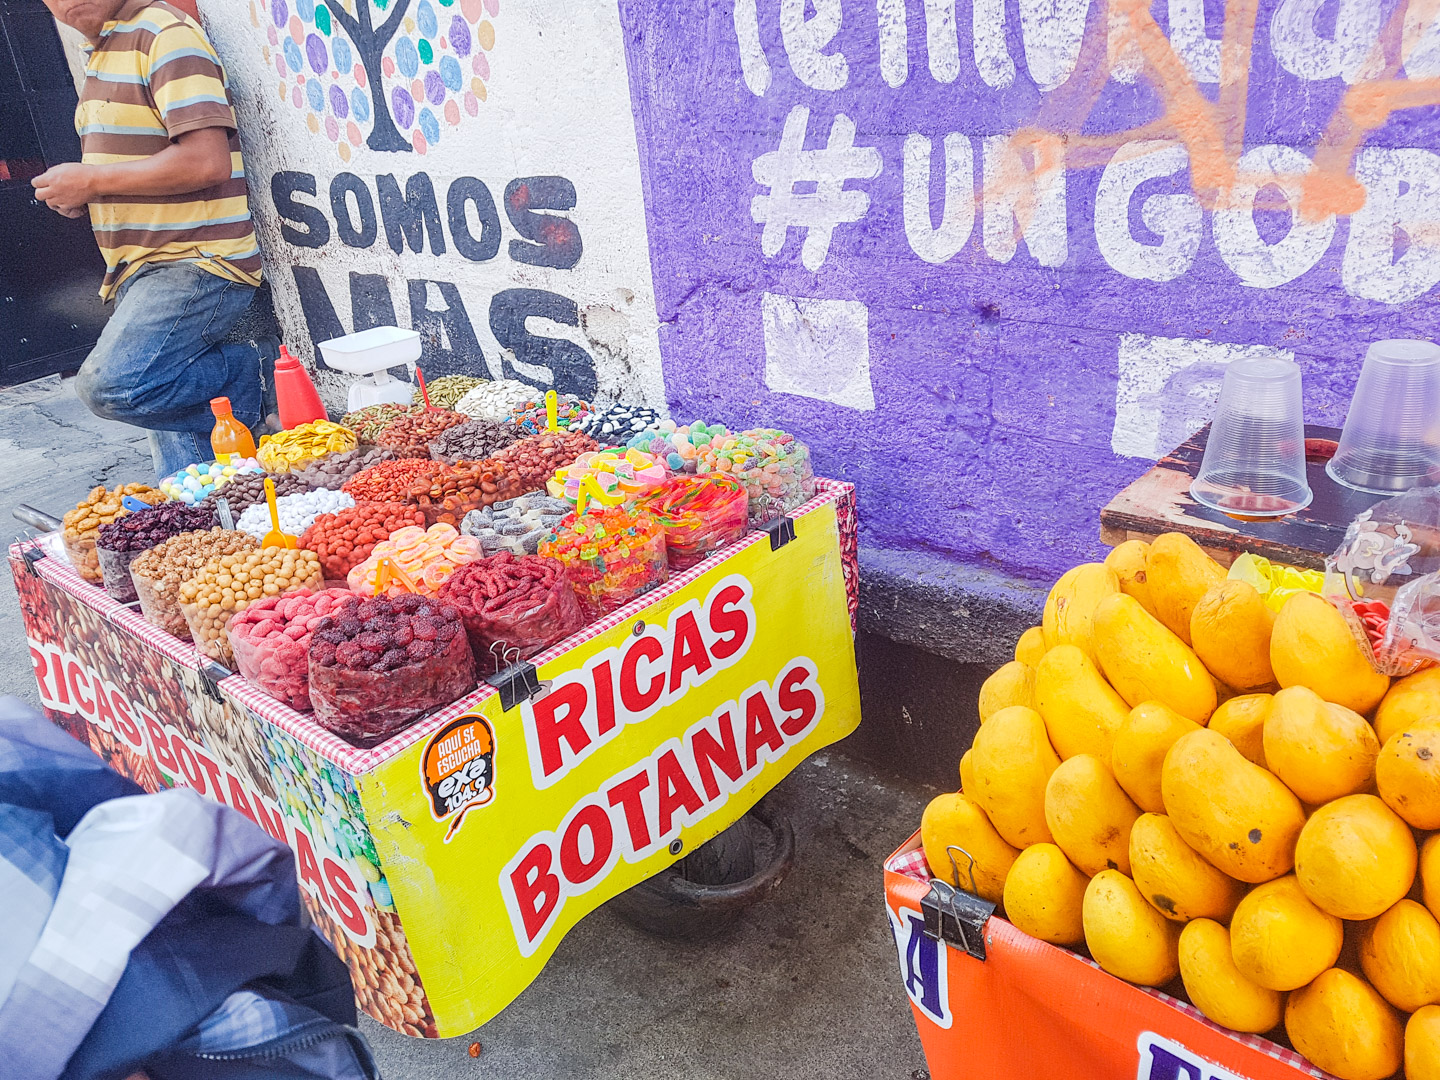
(1213, 133)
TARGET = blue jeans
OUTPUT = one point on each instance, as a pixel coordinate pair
(159, 361)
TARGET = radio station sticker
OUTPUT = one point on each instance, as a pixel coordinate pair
(457, 768)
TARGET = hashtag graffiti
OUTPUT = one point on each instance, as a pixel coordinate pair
(817, 212)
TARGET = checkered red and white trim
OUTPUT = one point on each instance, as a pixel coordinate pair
(911, 862)
(58, 571)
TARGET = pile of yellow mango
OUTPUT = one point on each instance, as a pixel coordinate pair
(1186, 782)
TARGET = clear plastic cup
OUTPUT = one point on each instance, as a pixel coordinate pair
(1391, 441)
(1254, 464)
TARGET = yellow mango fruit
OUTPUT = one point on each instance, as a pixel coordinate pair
(1343, 1026)
(1407, 775)
(1278, 937)
(1031, 647)
(1422, 1044)
(1128, 561)
(1069, 615)
(1236, 814)
(1242, 721)
(1355, 857)
(1126, 936)
(1223, 693)
(1140, 748)
(952, 821)
(1413, 701)
(1430, 874)
(1175, 877)
(1045, 895)
(1012, 763)
(1010, 684)
(1400, 955)
(1090, 815)
(1143, 661)
(967, 771)
(1230, 632)
(1179, 573)
(1082, 712)
(1321, 750)
(1217, 987)
(1312, 646)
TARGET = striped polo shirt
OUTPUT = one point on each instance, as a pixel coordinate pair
(153, 76)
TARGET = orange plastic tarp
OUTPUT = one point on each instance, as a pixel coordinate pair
(1031, 1011)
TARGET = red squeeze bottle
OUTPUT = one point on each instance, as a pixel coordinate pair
(296, 394)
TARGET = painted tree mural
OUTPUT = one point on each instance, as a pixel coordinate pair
(401, 70)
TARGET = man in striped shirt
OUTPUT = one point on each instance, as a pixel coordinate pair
(162, 179)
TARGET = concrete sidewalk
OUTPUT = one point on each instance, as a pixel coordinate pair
(807, 986)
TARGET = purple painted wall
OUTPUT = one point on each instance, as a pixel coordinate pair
(980, 403)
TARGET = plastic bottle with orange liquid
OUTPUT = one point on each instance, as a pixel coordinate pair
(230, 440)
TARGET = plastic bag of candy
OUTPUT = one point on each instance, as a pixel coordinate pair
(700, 514)
(513, 607)
(424, 557)
(516, 525)
(271, 640)
(611, 554)
(125, 538)
(385, 662)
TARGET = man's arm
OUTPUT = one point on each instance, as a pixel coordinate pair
(195, 160)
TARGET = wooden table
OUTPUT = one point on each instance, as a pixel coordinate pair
(1160, 502)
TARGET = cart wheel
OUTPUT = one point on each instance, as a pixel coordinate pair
(725, 860)
(703, 894)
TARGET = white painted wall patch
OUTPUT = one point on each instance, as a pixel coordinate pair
(818, 349)
(1168, 388)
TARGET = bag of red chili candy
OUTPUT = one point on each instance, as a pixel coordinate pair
(513, 606)
(381, 664)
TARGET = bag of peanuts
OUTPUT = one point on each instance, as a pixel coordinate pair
(82, 525)
(159, 572)
(391, 481)
(271, 640)
(513, 606)
(413, 432)
(232, 583)
(378, 666)
(345, 540)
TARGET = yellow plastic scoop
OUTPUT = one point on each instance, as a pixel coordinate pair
(388, 572)
(275, 538)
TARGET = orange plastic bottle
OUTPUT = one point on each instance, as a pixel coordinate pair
(230, 440)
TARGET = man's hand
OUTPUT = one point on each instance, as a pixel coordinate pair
(66, 188)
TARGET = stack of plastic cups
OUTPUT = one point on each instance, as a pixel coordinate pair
(1391, 441)
(1254, 464)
